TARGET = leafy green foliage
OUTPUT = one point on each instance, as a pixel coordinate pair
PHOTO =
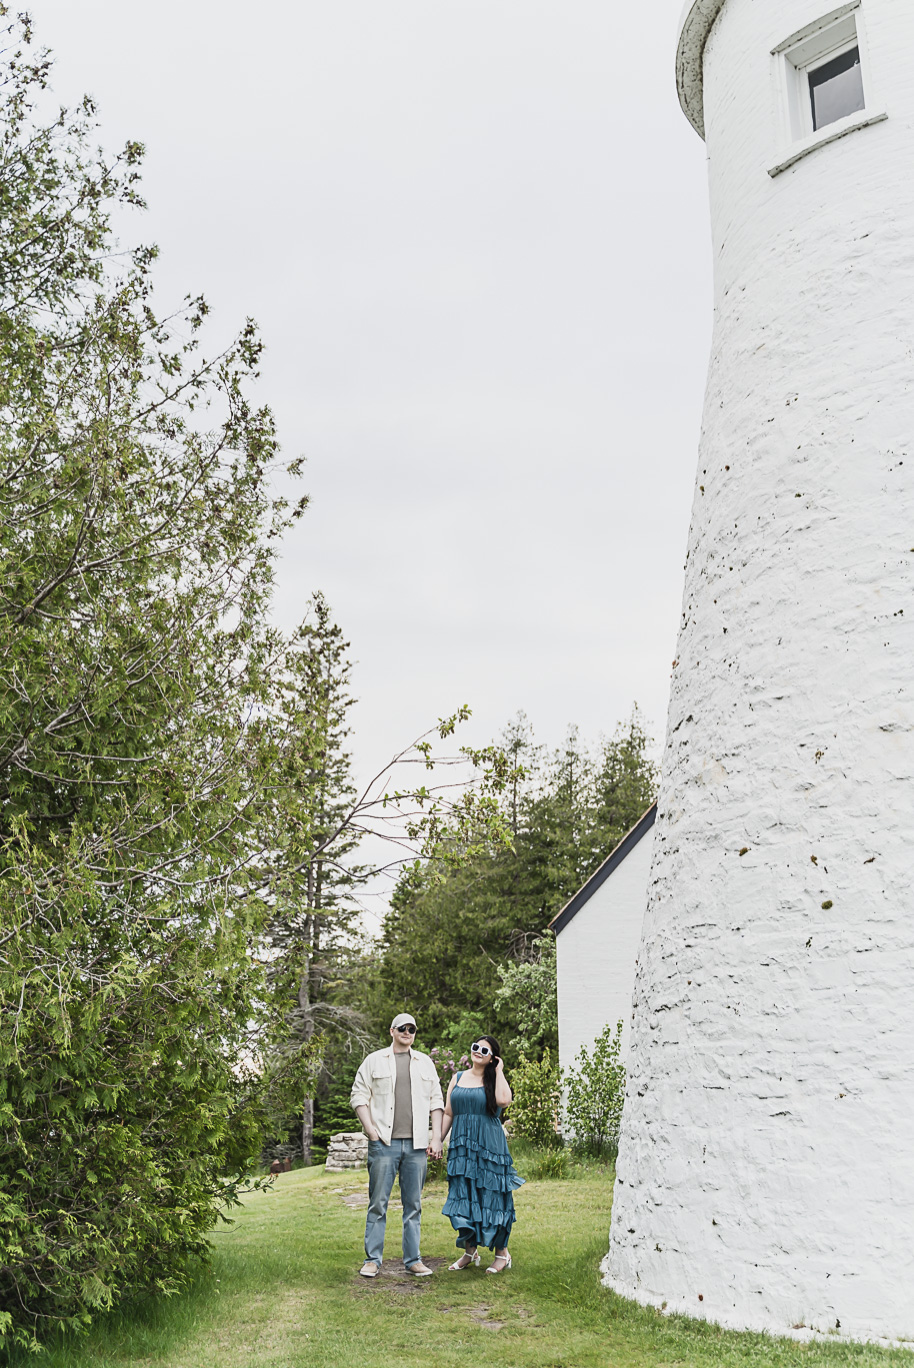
(594, 1093)
(528, 994)
(137, 533)
(536, 1086)
(332, 1111)
(451, 1050)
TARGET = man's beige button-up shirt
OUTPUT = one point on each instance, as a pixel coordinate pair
(374, 1086)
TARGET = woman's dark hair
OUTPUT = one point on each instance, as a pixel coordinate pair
(488, 1075)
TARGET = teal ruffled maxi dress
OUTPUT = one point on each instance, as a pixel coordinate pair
(481, 1176)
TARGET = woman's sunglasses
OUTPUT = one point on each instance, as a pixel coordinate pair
(480, 1049)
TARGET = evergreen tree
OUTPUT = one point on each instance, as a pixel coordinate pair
(451, 933)
(625, 782)
(313, 915)
(316, 822)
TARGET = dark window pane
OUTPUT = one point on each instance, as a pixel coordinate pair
(836, 88)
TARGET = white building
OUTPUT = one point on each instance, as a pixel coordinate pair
(766, 1169)
(598, 933)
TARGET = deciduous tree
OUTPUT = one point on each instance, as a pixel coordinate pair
(137, 528)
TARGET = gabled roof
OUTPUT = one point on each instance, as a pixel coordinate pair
(612, 862)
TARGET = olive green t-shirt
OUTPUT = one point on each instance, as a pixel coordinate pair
(403, 1099)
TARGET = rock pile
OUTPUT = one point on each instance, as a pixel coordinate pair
(348, 1150)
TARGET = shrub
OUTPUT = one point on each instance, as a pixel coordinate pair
(536, 1086)
(447, 1066)
(595, 1090)
(528, 996)
(550, 1163)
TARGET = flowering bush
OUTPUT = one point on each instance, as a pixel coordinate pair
(444, 1061)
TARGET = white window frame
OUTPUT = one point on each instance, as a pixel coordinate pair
(795, 59)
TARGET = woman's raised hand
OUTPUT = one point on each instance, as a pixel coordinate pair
(499, 1064)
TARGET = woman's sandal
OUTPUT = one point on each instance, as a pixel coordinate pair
(505, 1263)
(460, 1265)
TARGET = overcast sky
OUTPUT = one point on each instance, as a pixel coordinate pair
(475, 238)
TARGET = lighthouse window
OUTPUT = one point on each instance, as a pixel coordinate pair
(824, 85)
(836, 88)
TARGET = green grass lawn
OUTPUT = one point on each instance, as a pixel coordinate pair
(283, 1292)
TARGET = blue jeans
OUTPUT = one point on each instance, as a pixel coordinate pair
(384, 1161)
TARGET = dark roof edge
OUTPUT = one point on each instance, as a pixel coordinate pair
(694, 26)
(599, 877)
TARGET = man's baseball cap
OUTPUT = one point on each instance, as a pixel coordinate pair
(403, 1019)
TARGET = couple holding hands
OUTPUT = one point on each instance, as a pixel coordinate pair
(396, 1095)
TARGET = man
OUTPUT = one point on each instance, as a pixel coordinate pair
(393, 1093)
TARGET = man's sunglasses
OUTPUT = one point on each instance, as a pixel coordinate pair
(480, 1049)
(410, 1030)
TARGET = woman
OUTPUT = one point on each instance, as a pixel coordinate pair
(480, 1173)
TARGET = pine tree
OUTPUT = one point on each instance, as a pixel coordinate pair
(314, 917)
(451, 933)
(317, 821)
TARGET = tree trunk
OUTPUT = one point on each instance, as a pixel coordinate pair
(307, 1129)
(304, 1002)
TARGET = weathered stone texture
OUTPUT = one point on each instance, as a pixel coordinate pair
(348, 1150)
(765, 1175)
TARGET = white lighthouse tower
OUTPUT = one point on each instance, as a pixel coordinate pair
(766, 1167)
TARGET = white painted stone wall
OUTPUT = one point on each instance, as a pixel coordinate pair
(766, 1171)
(597, 952)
